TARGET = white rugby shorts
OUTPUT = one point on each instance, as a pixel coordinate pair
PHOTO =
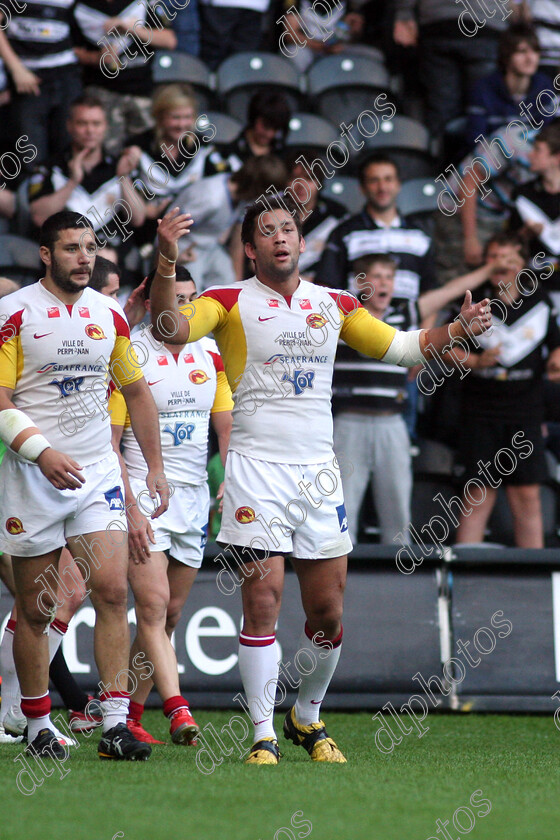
(285, 508)
(182, 529)
(36, 518)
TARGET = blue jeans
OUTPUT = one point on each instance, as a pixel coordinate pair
(186, 27)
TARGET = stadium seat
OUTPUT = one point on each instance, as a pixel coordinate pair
(418, 200)
(227, 128)
(242, 74)
(407, 141)
(173, 66)
(19, 259)
(346, 190)
(308, 131)
(341, 87)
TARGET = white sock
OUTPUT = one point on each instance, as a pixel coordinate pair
(57, 629)
(32, 708)
(322, 658)
(115, 710)
(258, 665)
(11, 695)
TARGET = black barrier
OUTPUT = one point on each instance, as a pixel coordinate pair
(398, 630)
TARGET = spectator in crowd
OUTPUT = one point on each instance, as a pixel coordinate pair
(536, 205)
(379, 228)
(215, 204)
(324, 28)
(449, 61)
(230, 26)
(36, 46)
(489, 177)
(369, 398)
(105, 277)
(86, 179)
(544, 15)
(502, 399)
(176, 143)
(268, 121)
(120, 74)
(495, 99)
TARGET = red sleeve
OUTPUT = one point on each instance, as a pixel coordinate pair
(345, 301)
(227, 297)
(217, 359)
(11, 327)
(121, 325)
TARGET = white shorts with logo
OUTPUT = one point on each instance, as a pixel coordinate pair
(36, 518)
(285, 508)
(182, 529)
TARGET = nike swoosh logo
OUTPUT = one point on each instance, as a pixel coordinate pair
(267, 319)
(256, 723)
(315, 702)
(41, 336)
(156, 382)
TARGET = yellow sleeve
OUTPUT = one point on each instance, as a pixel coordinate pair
(124, 366)
(223, 400)
(118, 410)
(205, 314)
(366, 334)
(11, 355)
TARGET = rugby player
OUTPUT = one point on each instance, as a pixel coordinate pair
(278, 335)
(189, 386)
(60, 345)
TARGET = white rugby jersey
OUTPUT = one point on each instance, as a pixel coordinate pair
(59, 359)
(187, 387)
(278, 355)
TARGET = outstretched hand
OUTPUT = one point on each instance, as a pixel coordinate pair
(477, 316)
(171, 228)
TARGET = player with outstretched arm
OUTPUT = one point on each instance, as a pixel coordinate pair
(277, 335)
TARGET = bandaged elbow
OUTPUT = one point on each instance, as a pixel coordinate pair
(405, 349)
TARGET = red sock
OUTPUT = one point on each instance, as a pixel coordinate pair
(173, 704)
(135, 711)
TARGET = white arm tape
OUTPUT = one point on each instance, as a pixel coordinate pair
(12, 422)
(405, 350)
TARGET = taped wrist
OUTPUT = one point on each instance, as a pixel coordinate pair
(405, 350)
(12, 423)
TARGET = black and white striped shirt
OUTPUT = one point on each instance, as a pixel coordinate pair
(41, 34)
(365, 384)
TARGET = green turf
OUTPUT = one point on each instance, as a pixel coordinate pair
(513, 760)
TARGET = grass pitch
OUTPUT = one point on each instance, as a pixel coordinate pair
(513, 760)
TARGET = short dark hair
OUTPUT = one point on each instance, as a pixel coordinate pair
(362, 265)
(256, 176)
(550, 135)
(64, 220)
(87, 100)
(182, 275)
(271, 106)
(102, 269)
(518, 33)
(255, 209)
(505, 239)
(378, 157)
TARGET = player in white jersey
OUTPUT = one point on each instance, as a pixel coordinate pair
(62, 345)
(277, 335)
(190, 388)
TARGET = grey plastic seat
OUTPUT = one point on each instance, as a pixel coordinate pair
(174, 66)
(242, 74)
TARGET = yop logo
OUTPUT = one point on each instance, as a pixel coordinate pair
(68, 385)
(300, 380)
(14, 526)
(181, 432)
(114, 498)
(342, 518)
(316, 321)
(94, 331)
